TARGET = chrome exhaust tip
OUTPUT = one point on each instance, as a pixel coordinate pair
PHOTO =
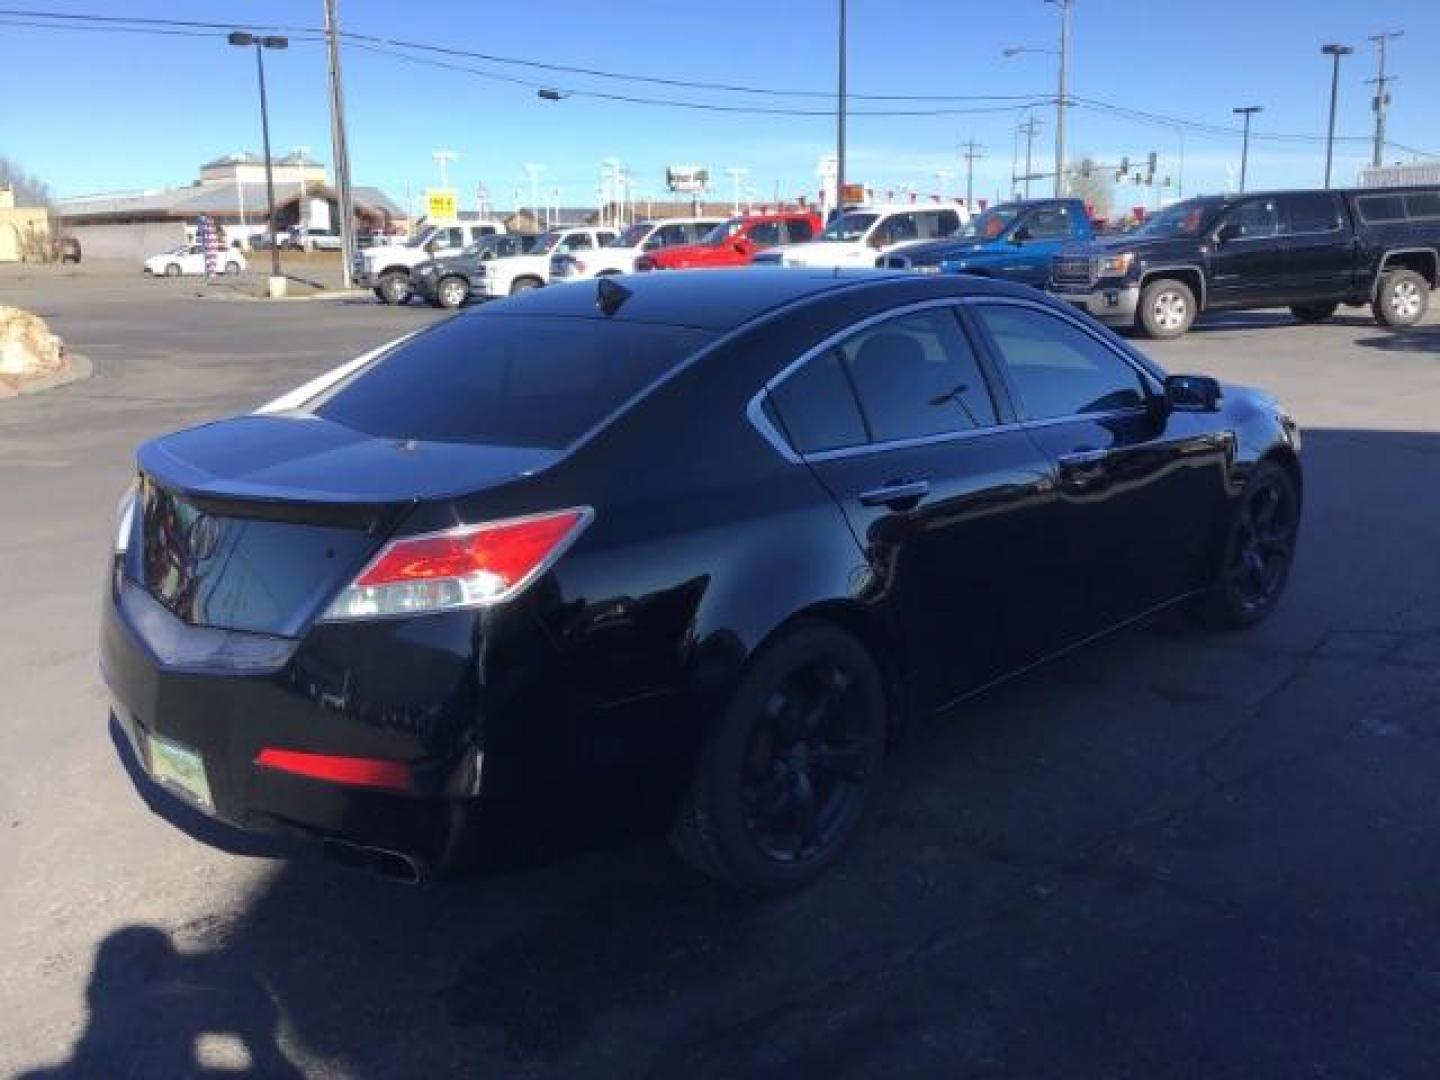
(390, 865)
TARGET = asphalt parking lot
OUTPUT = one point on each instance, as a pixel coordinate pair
(1172, 854)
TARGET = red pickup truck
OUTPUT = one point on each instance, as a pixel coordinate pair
(735, 242)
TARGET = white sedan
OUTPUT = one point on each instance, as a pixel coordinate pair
(190, 259)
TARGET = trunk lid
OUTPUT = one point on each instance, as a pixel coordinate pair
(254, 523)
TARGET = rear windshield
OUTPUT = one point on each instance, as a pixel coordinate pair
(508, 380)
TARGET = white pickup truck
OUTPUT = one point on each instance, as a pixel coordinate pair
(386, 268)
(639, 239)
(861, 233)
(516, 273)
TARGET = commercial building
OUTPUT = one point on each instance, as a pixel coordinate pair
(24, 230)
(231, 191)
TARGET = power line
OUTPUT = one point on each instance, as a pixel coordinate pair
(679, 103)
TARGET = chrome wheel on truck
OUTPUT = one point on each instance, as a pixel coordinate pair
(1401, 299)
(1167, 308)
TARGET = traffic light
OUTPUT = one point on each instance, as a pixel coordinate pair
(1124, 170)
(1150, 167)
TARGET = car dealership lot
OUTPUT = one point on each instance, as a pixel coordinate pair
(1172, 853)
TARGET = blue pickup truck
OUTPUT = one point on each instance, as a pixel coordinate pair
(1013, 241)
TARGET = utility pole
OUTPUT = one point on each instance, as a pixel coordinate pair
(972, 152)
(1381, 102)
(1247, 111)
(1336, 51)
(1028, 129)
(840, 120)
(1061, 102)
(339, 150)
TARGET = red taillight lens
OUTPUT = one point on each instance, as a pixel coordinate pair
(470, 566)
(360, 772)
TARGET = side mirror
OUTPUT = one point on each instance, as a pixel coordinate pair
(1192, 393)
(742, 245)
(1020, 235)
(1227, 232)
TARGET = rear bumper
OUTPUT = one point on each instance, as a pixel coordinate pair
(1114, 305)
(509, 740)
(229, 707)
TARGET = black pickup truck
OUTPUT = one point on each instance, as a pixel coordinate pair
(1310, 251)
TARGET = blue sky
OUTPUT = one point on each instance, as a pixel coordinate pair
(98, 111)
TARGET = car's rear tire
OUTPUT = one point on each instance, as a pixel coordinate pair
(1259, 551)
(1167, 309)
(394, 287)
(172, 269)
(232, 268)
(783, 777)
(452, 292)
(1402, 298)
(524, 284)
(1313, 313)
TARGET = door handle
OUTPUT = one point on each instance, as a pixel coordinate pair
(1084, 460)
(897, 494)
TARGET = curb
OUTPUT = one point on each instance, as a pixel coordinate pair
(77, 369)
(323, 294)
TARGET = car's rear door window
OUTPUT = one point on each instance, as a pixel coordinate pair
(917, 375)
(815, 407)
(508, 380)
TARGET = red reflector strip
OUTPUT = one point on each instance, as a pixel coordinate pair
(361, 772)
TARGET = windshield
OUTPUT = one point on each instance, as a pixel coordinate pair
(1182, 219)
(848, 227)
(545, 243)
(420, 239)
(990, 225)
(722, 232)
(632, 237)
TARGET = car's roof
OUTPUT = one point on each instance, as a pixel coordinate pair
(898, 208)
(724, 299)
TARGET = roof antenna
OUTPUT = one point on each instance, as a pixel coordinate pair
(610, 295)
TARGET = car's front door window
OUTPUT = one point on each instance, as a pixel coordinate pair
(1056, 368)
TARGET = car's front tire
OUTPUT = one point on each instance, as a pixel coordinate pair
(232, 268)
(525, 284)
(452, 292)
(783, 777)
(1167, 309)
(1402, 298)
(394, 287)
(172, 270)
(1259, 551)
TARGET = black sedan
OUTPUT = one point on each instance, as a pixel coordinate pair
(695, 544)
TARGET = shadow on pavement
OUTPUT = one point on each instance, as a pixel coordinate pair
(1171, 854)
(1423, 339)
(1259, 320)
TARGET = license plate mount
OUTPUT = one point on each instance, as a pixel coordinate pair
(180, 768)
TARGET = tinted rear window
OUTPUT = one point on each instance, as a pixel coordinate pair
(508, 380)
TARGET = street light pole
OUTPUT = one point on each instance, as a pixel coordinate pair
(339, 147)
(1336, 51)
(244, 40)
(1247, 111)
(840, 120)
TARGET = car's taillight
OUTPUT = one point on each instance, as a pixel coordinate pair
(360, 772)
(470, 566)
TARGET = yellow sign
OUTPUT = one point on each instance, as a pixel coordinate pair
(441, 204)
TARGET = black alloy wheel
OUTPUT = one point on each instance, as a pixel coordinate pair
(1259, 551)
(784, 778)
